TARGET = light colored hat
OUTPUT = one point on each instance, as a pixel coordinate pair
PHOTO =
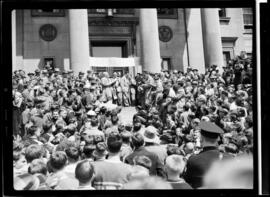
(151, 135)
(205, 118)
(91, 113)
(87, 86)
(202, 98)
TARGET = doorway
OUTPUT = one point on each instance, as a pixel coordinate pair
(109, 49)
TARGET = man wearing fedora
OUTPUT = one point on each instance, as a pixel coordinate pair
(138, 143)
(152, 143)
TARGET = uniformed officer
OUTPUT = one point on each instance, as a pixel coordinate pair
(197, 165)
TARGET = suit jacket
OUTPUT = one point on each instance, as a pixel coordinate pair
(197, 165)
(156, 168)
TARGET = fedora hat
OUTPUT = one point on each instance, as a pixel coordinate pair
(151, 135)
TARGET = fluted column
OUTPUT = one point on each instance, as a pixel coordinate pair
(13, 30)
(151, 60)
(79, 40)
(211, 37)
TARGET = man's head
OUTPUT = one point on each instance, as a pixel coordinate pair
(137, 140)
(38, 166)
(34, 131)
(84, 172)
(34, 151)
(58, 160)
(114, 142)
(174, 165)
(210, 133)
(73, 154)
(94, 122)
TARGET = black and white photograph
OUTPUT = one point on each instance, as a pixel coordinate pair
(133, 98)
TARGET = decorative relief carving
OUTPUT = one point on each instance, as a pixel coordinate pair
(48, 32)
(165, 33)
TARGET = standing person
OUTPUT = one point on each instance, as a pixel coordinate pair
(197, 165)
(125, 85)
(132, 91)
(17, 111)
(115, 88)
(237, 75)
(107, 87)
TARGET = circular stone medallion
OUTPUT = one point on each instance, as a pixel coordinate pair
(48, 32)
(165, 33)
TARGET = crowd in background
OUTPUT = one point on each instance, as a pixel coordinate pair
(68, 134)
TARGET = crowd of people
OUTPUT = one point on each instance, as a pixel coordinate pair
(68, 134)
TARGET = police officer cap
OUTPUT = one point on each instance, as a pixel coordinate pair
(209, 128)
(37, 71)
(81, 73)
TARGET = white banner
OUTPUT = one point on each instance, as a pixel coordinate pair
(112, 62)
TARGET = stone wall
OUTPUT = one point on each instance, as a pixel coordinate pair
(35, 49)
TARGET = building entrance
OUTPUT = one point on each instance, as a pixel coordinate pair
(109, 49)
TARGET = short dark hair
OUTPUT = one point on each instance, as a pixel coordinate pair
(32, 130)
(73, 153)
(94, 122)
(137, 140)
(126, 136)
(33, 151)
(84, 171)
(38, 166)
(47, 126)
(114, 119)
(88, 150)
(114, 142)
(58, 160)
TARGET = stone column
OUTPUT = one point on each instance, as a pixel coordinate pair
(151, 60)
(194, 39)
(13, 30)
(212, 37)
(79, 40)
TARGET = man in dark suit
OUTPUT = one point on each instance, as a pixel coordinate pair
(138, 142)
(197, 165)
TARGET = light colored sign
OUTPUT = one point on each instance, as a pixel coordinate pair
(111, 62)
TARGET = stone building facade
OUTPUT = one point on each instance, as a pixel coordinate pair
(160, 38)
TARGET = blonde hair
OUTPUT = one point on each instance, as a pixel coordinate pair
(175, 163)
